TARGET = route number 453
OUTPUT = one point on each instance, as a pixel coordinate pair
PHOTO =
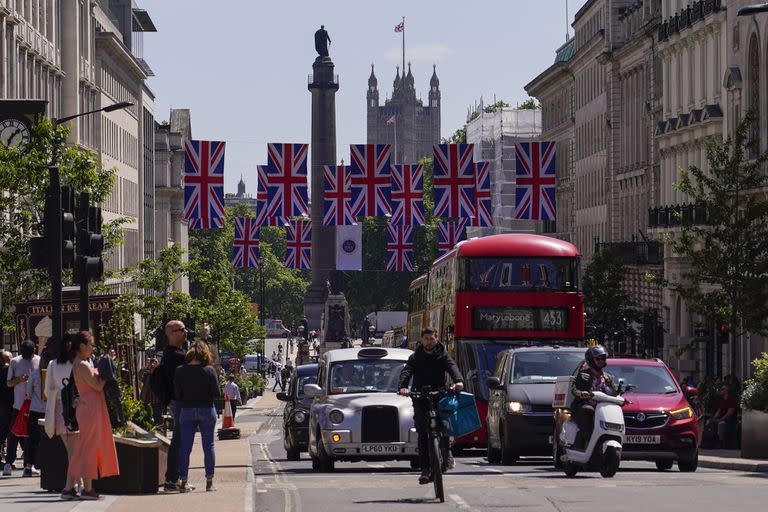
(553, 318)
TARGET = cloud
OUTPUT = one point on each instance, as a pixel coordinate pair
(429, 53)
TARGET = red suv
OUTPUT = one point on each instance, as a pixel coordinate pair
(660, 423)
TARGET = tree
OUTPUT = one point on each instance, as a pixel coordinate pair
(458, 137)
(609, 308)
(726, 279)
(529, 104)
(23, 181)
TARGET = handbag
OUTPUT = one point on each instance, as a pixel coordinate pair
(20, 426)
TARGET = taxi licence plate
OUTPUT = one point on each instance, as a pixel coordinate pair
(642, 439)
(379, 449)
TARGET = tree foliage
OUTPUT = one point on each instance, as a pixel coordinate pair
(529, 104)
(23, 181)
(728, 257)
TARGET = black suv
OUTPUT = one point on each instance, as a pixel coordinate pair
(296, 413)
(519, 420)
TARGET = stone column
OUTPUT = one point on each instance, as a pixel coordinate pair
(323, 86)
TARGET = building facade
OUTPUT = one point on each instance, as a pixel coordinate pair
(494, 135)
(404, 121)
(241, 197)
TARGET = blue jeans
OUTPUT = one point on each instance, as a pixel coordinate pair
(190, 418)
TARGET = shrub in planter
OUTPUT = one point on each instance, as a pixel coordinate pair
(755, 395)
(754, 402)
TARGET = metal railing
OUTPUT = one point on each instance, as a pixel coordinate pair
(677, 215)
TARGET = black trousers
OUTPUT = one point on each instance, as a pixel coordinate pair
(5, 424)
(29, 444)
(172, 466)
(421, 419)
(585, 419)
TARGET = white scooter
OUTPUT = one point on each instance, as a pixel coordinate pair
(603, 452)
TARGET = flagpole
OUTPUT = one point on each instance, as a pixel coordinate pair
(396, 160)
(403, 45)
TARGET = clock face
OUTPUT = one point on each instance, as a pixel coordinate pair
(14, 132)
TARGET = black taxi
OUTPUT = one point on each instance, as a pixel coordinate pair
(296, 412)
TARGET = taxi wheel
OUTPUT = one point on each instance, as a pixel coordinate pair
(324, 461)
(293, 454)
(415, 466)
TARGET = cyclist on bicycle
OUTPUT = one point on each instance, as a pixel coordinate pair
(428, 367)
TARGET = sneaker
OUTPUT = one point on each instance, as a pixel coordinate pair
(183, 487)
(29, 472)
(209, 486)
(69, 495)
(7, 470)
(170, 487)
(448, 463)
(425, 478)
(91, 496)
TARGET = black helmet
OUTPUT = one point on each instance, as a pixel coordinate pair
(593, 353)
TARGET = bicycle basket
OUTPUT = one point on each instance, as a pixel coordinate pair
(459, 412)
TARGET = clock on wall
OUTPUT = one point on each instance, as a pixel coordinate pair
(14, 131)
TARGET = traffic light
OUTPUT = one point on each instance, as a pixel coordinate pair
(89, 265)
(722, 333)
(43, 249)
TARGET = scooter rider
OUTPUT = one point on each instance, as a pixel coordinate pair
(590, 377)
(428, 366)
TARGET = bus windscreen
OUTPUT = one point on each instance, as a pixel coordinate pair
(518, 274)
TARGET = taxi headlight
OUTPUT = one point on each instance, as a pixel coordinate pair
(518, 407)
(682, 414)
(336, 416)
(299, 416)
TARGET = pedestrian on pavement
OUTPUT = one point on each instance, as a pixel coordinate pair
(285, 374)
(173, 357)
(278, 377)
(233, 390)
(724, 419)
(196, 389)
(428, 366)
(58, 370)
(94, 456)
(24, 377)
(148, 396)
(6, 400)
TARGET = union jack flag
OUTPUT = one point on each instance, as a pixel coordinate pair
(399, 248)
(449, 234)
(483, 209)
(246, 244)
(338, 196)
(298, 253)
(262, 219)
(204, 183)
(370, 179)
(535, 176)
(454, 180)
(285, 177)
(407, 194)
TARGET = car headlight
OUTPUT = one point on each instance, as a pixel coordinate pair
(518, 407)
(300, 416)
(682, 414)
(336, 416)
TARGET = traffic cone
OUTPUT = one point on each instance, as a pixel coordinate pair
(227, 421)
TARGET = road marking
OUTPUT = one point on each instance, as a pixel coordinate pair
(463, 505)
(494, 470)
(290, 493)
(248, 504)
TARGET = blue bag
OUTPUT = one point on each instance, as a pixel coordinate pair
(459, 412)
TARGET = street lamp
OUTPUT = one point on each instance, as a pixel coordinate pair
(261, 312)
(371, 330)
(752, 9)
(109, 108)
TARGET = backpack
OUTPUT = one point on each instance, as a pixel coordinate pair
(158, 381)
(69, 398)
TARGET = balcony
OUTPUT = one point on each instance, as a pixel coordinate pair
(688, 17)
(677, 215)
(637, 252)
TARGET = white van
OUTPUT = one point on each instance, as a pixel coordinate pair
(251, 363)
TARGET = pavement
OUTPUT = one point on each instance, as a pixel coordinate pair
(731, 459)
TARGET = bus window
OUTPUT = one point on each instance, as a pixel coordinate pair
(477, 361)
(519, 274)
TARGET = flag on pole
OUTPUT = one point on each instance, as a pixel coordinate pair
(454, 180)
(535, 180)
(449, 234)
(349, 247)
(262, 218)
(298, 252)
(399, 248)
(246, 243)
(337, 196)
(391, 120)
(204, 183)
(400, 27)
(285, 176)
(370, 168)
(483, 209)
(407, 195)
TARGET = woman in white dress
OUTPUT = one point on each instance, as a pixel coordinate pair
(58, 370)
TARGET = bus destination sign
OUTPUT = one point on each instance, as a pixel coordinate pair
(489, 318)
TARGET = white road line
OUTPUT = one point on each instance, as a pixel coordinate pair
(248, 503)
(494, 470)
(463, 505)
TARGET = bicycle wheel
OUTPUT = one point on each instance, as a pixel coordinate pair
(437, 470)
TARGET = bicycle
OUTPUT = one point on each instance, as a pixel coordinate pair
(437, 449)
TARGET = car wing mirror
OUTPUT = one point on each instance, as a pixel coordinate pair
(282, 397)
(313, 390)
(493, 382)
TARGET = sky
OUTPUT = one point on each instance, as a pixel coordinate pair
(241, 66)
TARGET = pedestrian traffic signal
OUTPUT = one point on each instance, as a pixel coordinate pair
(43, 248)
(89, 265)
(722, 332)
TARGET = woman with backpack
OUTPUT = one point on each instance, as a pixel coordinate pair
(60, 370)
(95, 455)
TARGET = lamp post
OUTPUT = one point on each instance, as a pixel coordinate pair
(57, 263)
(749, 10)
(371, 330)
(261, 313)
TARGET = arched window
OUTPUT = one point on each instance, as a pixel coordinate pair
(754, 94)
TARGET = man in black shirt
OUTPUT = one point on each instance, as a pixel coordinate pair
(173, 357)
(6, 397)
(428, 367)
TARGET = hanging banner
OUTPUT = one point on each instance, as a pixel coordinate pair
(349, 247)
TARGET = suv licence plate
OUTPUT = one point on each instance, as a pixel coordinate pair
(379, 449)
(642, 439)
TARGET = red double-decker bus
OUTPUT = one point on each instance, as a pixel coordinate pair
(493, 293)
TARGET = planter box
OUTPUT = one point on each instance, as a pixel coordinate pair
(754, 434)
(142, 467)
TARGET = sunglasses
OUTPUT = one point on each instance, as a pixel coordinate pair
(182, 329)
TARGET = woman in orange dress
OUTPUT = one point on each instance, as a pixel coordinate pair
(95, 455)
